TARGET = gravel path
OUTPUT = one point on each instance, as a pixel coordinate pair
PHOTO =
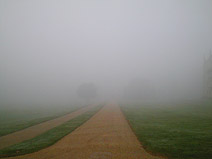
(38, 129)
(106, 135)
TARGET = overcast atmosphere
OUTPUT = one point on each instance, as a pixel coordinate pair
(48, 48)
(106, 79)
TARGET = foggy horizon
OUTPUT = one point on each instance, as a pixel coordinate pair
(49, 48)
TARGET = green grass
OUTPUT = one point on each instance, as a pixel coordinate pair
(48, 138)
(16, 118)
(179, 132)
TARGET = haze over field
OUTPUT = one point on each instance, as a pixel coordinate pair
(48, 48)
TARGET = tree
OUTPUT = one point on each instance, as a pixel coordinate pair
(87, 91)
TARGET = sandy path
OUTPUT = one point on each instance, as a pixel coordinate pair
(106, 135)
(38, 129)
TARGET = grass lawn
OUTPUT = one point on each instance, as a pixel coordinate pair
(179, 132)
(48, 138)
(16, 118)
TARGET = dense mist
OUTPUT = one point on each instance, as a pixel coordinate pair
(150, 50)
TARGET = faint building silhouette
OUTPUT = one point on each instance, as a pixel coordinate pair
(207, 76)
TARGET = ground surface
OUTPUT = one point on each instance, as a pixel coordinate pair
(36, 130)
(49, 137)
(178, 131)
(106, 135)
(15, 118)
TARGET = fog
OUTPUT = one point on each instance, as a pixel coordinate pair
(48, 48)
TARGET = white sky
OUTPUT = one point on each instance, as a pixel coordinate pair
(49, 47)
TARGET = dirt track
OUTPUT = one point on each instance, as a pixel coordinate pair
(106, 135)
(38, 129)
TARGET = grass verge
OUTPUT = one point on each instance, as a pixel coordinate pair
(48, 138)
(180, 132)
(13, 120)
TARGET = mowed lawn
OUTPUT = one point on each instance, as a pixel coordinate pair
(50, 137)
(178, 131)
(16, 118)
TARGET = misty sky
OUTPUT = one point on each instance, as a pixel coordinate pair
(49, 47)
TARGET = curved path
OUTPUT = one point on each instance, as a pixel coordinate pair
(38, 129)
(106, 135)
